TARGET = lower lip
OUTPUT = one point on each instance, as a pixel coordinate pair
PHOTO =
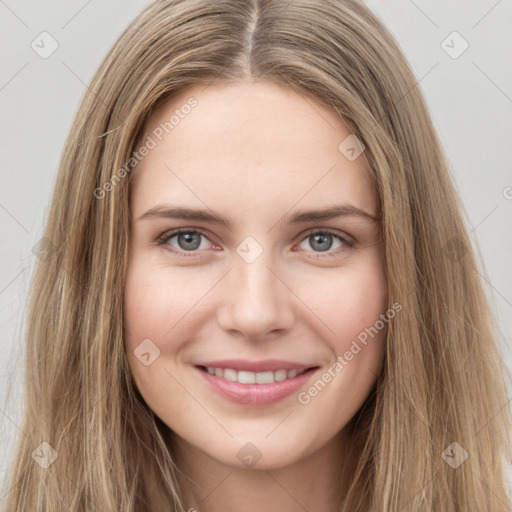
(256, 394)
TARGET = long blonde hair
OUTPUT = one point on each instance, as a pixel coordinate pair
(442, 379)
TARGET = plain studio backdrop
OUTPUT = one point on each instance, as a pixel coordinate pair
(459, 51)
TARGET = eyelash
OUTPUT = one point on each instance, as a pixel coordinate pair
(163, 239)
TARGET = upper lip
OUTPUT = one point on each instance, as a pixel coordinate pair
(266, 365)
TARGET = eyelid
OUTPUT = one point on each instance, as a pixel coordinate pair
(173, 232)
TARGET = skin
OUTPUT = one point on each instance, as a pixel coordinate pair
(254, 152)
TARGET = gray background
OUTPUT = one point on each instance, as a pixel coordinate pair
(470, 99)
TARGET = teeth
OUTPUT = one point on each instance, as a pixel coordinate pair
(265, 378)
(244, 377)
(280, 375)
(230, 374)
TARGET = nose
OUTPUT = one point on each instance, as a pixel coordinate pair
(256, 300)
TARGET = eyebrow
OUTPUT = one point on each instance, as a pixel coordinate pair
(332, 212)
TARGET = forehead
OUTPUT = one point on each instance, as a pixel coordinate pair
(246, 145)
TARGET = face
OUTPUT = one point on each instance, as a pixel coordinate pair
(232, 267)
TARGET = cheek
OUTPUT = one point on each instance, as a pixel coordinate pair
(164, 311)
(157, 304)
(352, 302)
(152, 311)
(353, 308)
(156, 319)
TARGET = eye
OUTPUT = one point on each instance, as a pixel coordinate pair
(322, 240)
(188, 240)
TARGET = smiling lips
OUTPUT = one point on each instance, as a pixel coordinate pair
(255, 382)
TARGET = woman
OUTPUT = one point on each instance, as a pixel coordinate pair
(261, 293)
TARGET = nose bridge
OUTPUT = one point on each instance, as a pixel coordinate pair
(257, 302)
(255, 281)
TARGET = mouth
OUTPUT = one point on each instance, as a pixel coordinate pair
(255, 388)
